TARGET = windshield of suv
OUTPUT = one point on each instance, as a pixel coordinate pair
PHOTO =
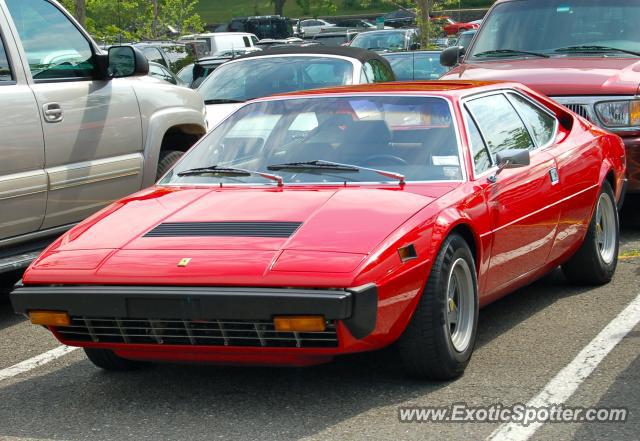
(410, 136)
(556, 27)
(379, 41)
(263, 76)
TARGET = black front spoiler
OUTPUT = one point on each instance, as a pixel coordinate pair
(356, 307)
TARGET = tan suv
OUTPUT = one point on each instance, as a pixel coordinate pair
(78, 128)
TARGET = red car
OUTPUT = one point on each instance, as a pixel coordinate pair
(452, 27)
(328, 222)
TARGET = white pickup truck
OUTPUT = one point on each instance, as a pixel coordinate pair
(79, 128)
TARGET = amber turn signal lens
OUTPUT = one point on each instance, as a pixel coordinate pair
(299, 323)
(49, 318)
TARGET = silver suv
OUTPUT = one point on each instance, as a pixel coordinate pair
(79, 128)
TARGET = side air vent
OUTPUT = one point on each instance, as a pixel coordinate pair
(228, 229)
(580, 109)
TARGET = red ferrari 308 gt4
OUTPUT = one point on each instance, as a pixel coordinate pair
(334, 221)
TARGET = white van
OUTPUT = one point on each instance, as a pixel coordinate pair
(223, 41)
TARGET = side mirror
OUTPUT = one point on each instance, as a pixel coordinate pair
(451, 56)
(414, 46)
(513, 158)
(126, 61)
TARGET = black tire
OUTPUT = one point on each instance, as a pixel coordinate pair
(587, 266)
(426, 348)
(107, 360)
(166, 160)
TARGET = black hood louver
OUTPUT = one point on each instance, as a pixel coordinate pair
(227, 229)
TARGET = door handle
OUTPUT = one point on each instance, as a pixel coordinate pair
(52, 112)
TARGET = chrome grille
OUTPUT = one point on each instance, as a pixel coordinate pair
(580, 109)
(259, 333)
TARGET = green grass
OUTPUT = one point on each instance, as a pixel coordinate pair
(221, 11)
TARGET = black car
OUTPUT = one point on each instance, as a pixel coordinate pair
(193, 74)
(266, 26)
(416, 65)
(401, 18)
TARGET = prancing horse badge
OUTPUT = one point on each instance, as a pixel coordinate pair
(184, 262)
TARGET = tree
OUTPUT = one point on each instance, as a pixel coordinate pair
(278, 6)
(317, 7)
(80, 12)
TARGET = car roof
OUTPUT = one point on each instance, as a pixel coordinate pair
(448, 88)
(342, 51)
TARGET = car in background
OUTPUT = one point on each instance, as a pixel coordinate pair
(193, 74)
(80, 127)
(335, 38)
(312, 26)
(452, 27)
(356, 24)
(222, 41)
(465, 38)
(266, 43)
(589, 60)
(330, 222)
(388, 40)
(287, 69)
(401, 18)
(416, 65)
(263, 26)
(162, 73)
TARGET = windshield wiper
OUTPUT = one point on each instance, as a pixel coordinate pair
(222, 101)
(333, 166)
(508, 52)
(230, 171)
(594, 48)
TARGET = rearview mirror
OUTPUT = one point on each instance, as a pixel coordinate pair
(512, 158)
(451, 56)
(126, 61)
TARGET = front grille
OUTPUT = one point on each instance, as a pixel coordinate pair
(229, 229)
(259, 333)
(580, 109)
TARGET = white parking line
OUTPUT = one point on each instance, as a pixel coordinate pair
(34, 362)
(566, 382)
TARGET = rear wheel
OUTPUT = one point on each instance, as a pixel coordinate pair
(109, 361)
(166, 161)
(596, 260)
(440, 338)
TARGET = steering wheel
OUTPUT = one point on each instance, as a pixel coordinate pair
(396, 160)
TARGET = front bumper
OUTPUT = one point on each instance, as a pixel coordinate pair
(198, 316)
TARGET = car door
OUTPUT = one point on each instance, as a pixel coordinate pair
(523, 203)
(23, 182)
(92, 128)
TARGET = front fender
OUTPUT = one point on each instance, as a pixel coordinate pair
(158, 125)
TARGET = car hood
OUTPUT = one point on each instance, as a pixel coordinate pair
(216, 113)
(335, 230)
(559, 76)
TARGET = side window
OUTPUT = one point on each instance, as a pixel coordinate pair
(153, 54)
(55, 48)
(381, 73)
(367, 74)
(541, 124)
(255, 40)
(502, 127)
(5, 70)
(247, 43)
(481, 159)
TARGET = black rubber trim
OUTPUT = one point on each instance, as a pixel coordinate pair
(357, 307)
(623, 194)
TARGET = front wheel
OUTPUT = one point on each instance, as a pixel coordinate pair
(596, 260)
(439, 340)
(109, 361)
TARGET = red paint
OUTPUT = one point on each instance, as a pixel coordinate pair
(522, 227)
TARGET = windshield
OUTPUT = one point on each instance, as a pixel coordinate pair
(392, 40)
(411, 136)
(544, 26)
(263, 76)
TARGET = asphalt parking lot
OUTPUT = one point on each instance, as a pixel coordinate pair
(524, 341)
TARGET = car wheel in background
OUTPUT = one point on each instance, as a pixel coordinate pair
(107, 360)
(166, 161)
(440, 338)
(596, 260)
